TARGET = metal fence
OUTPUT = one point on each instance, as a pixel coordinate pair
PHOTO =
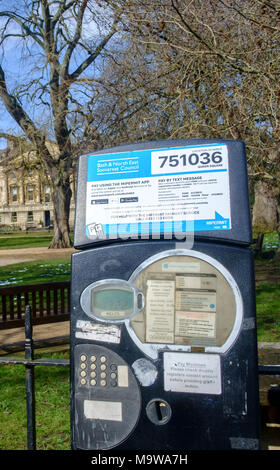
(29, 363)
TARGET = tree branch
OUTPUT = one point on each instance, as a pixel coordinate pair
(18, 114)
(76, 38)
(24, 27)
(10, 137)
(246, 17)
(219, 53)
(62, 9)
(91, 58)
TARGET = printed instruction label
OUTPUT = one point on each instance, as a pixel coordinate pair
(174, 190)
(173, 313)
(195, 301)
(98, 332)
(192, 373)
(197, 325)
(160, 311)
(196, 282)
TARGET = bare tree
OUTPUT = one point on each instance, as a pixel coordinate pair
(63, 44)
(215, 65)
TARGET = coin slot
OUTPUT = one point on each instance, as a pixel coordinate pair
(158, 411)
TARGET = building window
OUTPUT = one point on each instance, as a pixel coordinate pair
(30, 193)
(13, 174)
(47, 193)
(30, 216)
(14, 193)
(14, 217)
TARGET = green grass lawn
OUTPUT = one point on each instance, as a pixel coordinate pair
(26, 240)
(52, 398)
(268, 312)
(270, 241)
(35, 272)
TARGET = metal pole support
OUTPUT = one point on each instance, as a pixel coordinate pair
(30, 383)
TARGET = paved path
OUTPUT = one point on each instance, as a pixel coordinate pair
(32, 254)
(15, 336)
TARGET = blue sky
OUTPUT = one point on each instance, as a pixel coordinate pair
(12, 66)
(18, 70)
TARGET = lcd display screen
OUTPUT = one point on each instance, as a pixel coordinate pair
(112, 303)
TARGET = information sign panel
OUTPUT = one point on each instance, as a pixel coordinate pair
(167, 190)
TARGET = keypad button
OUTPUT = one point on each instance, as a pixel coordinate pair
(103, 359)
(93, 358)
(113, 367)
(93, 382)
(113, 375)
(103, 367)
(83, 357)
(83, 373)
(93, 374)
(83, 381)
(103, 375)
(103, 383)
(83, 365)
(93, 366)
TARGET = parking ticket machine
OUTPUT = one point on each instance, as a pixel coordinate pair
(163, 328)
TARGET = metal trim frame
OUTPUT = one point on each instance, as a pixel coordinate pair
(152, 350)
(85, 300)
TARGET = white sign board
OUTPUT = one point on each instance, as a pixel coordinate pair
(192, 373)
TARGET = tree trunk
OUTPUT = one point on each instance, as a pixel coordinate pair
(61, 205)
(264, 218)
(259, 243)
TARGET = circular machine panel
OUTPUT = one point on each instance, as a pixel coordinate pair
(191, 300)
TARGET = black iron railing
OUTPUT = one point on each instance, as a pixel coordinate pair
(29, 362)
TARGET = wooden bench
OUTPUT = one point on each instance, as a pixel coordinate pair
(49, 302)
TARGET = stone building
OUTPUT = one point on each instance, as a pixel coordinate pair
(26, 191)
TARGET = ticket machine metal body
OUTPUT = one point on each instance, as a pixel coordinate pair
(163, 332)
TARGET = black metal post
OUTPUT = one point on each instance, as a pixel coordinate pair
(30, 385)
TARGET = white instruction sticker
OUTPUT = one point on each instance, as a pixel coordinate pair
(98, 332)
(103, 410)
(196, 325)
(192, 373)
(160, 311)
(122, 376)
